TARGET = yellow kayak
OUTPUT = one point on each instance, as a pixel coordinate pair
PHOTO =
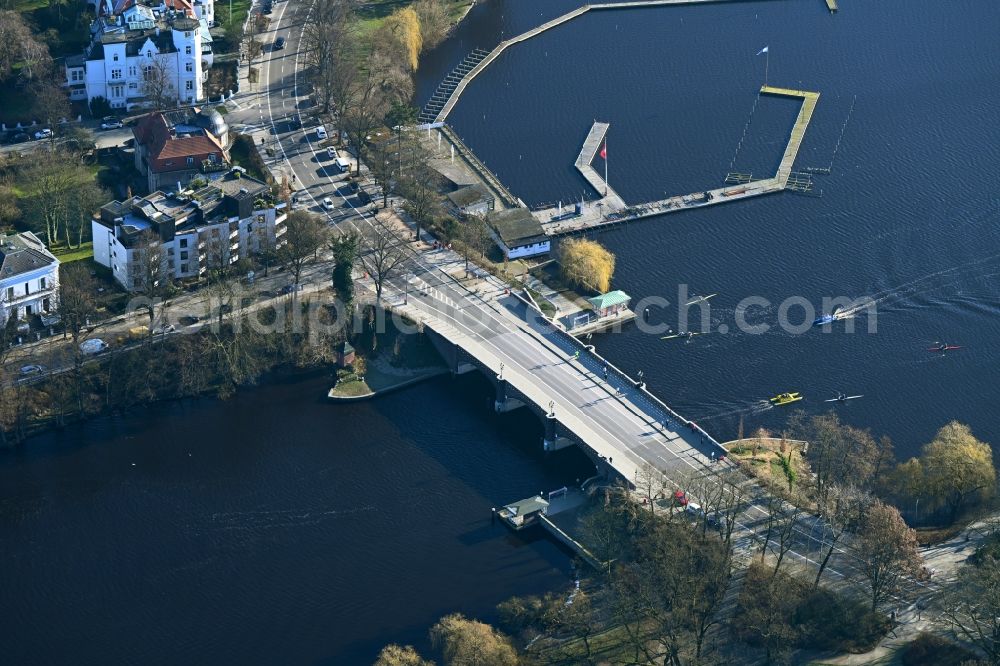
(786, 398)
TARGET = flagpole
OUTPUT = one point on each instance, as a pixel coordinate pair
(605, 166)
(767, 62)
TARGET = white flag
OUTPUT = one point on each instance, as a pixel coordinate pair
(763, 50)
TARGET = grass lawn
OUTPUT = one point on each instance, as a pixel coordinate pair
(351, 389)
(66, 255)
(371, 14)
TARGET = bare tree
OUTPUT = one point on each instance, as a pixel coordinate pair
(383, 254)
(886, 550)
(972, 606)
(158, 83)
(421, 186)
(305, 234)
(332, 69)
(840, 512)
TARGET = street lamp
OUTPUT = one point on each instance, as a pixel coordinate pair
(552, 407)
(501, 371)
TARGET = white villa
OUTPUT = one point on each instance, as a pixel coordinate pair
(140, 51)
(29, 277)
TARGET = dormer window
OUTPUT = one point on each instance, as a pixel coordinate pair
(149, 53)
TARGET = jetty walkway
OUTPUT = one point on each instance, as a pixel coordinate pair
(609, 211)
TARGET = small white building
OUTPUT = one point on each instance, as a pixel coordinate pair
(518, 233)
(142, 53)
(181, 236)
(29, 277)
(472, 200)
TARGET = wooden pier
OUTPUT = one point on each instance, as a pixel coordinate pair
(603, 213)
(809, 100)
(590, 145)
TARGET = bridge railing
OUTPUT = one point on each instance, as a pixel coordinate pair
(576, 345)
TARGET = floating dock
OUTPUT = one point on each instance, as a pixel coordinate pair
(606, 212)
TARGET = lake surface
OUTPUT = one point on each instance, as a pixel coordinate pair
(910, 215)
(278, 528)
(273, 528)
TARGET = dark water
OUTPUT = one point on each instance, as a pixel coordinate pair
(274, 528)
(909, 216)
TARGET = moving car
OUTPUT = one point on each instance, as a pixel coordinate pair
(321, 133)
(328, 203)
(279, 43)
(43, 133)
(29, 370)
(110, 122)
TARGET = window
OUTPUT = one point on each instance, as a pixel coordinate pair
(115, 57)
(131, 71)
(184, 242)
(189, 85)
(188, 35)
(184, 268)
(187, 50)
(149, 54)
(147, 71)
(184, 255)
(133, 86)
(189, 66)
(10, 293)
(27, 290)
(116, 74)
(76, 75)
(190, 161)
(41, 283)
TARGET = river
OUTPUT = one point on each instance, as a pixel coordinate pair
(278, 528)
(272, 528)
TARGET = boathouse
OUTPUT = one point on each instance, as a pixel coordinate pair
(524, 512)
(610, 304)
(518, 233)
(471, 200)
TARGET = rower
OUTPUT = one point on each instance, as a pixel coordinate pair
(943, 346)
(690, 334)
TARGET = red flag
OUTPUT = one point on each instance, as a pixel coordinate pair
(604, 151)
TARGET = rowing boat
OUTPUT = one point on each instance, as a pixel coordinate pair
(844, 398)
(688, 334)
(700, 299)
(944, 348)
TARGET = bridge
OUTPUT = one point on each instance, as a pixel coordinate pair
(584, 400)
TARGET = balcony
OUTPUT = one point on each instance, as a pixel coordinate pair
(18, 299)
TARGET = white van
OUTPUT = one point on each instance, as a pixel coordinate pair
(343, 164)
(321, 133)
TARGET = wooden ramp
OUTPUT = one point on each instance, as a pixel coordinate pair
(809, 100)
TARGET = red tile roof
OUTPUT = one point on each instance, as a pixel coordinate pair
(168, 152)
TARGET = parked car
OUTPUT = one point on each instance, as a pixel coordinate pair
(331, 152)
(289, 288)
(321, 133)
(161, 330)
(20, 137)
(347, 189)
(279, 43)
(43, 134)
(328, 203)
(110, 122)
(267, 9)
(29, 370)
(93, 346)
(364, 198)
(680, 498)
